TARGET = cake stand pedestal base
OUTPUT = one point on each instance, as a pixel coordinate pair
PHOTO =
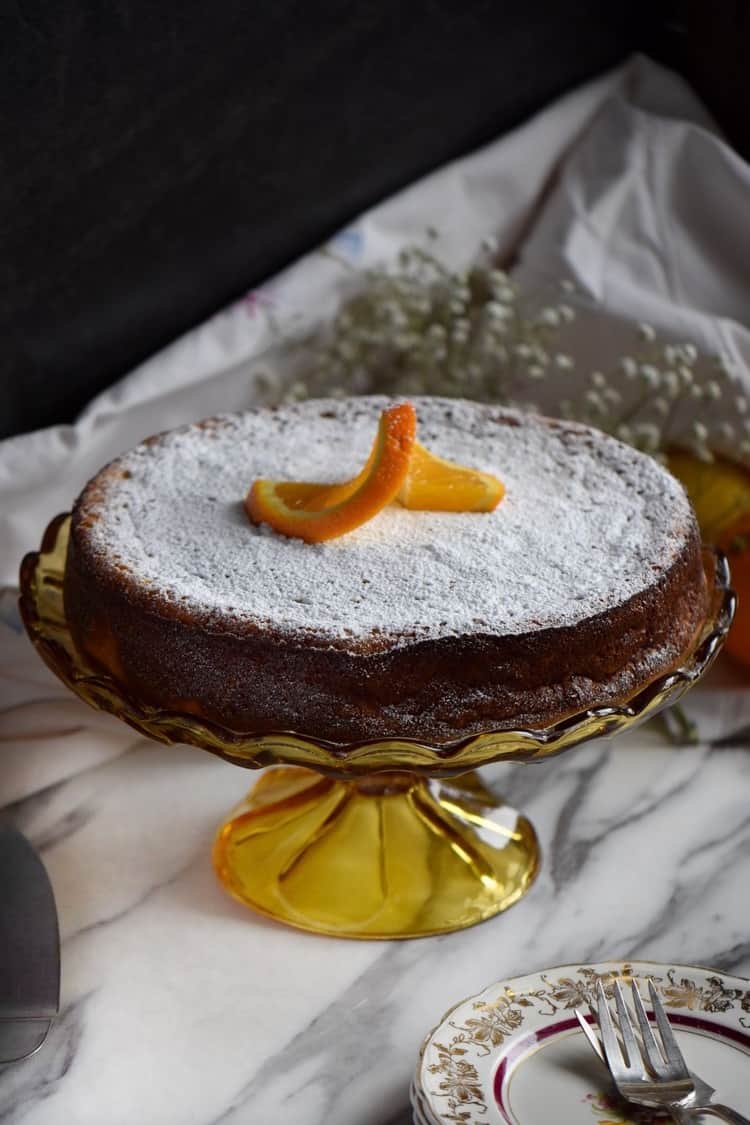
(391, 855)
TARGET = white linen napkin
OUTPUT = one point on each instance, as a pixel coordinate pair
(649, 217)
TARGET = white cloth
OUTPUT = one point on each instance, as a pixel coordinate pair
(624, 186)
(650, 218)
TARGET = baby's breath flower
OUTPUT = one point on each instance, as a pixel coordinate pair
(567, 286)
(700, 431)
(598, 379)
(713, 390)
(564, 362)
(567, 313)
(535, 371)
(505, 293)
(265, 380)
(594, 400)
(696, 391)
(648, 436)
(625, 433)
(550, 317)
(629, 366)
(727, 431)
(740, 404)
(650, 375)
(612, 396)
(297, 391)
(646, 332)
(397, 317)
(671, 384)
(345, 349)
(689, 354)
(661, 406)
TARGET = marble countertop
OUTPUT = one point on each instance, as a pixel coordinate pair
(180, 1007)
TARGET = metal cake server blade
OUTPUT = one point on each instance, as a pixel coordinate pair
(29, 948)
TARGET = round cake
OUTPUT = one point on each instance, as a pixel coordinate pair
(584, 584)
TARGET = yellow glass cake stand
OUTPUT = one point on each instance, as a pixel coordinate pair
(388, 838)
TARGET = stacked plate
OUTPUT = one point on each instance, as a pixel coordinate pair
(514, 1054)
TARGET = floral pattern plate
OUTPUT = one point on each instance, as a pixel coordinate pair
(510, 1054)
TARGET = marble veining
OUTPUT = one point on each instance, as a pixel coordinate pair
(181, 1008)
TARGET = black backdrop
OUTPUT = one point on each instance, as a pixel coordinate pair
(160, 158)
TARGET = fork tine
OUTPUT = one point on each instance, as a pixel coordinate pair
(632, 1050)
(610, 1044)
(590, 1034)
(653, 1054)
(669, 1043)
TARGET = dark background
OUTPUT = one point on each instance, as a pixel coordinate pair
(158, 159)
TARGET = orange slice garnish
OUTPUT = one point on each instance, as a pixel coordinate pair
(316, 512)
(436, 485)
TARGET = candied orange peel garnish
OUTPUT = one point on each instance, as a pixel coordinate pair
(436, 485)
(398, 468)
(315, 512)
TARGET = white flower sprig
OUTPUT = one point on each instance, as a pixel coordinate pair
(421, 328)
(424, 329)
(647, 408)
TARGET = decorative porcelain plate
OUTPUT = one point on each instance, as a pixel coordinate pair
(514, 1054)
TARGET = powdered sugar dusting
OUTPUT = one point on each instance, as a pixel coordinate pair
(586, 523)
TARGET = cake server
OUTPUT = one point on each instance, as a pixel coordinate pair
(29, 948)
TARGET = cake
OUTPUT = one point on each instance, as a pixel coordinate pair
(583, 585)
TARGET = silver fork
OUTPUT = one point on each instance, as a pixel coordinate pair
(649, 1072)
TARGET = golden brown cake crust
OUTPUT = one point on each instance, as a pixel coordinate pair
(255, 677)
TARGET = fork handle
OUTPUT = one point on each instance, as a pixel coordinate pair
(715, 1109)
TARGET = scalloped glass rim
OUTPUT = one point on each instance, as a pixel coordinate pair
(41, 607)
